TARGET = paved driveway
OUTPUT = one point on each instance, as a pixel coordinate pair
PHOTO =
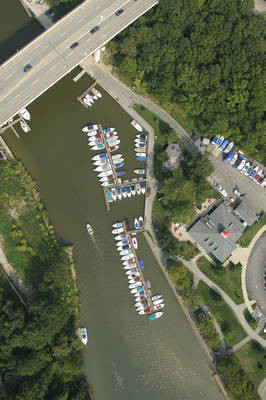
(230, 178)
(255, 273)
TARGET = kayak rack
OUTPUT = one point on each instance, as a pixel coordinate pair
(137, 262)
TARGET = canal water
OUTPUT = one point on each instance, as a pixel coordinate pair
(127, 357)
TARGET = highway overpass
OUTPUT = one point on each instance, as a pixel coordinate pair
(50, 55)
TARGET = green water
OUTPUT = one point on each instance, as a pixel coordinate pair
(127, 357)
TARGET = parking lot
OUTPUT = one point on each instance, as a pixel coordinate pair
(254, 196)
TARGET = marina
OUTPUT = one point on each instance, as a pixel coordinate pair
(117, 352)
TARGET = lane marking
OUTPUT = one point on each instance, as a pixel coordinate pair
(36, 80)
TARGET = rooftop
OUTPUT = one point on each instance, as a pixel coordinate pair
(245, 213)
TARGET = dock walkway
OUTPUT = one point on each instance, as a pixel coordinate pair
(137, 262)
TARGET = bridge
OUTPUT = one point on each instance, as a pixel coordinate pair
(50, 55)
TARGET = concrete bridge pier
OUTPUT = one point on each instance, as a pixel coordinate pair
(97, 54)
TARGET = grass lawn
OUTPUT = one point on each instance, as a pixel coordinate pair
(253, 360)
(231, 328)
(251, 231)
(228, 278)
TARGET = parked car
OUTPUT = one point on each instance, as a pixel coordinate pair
(48, 12)
(75, 44)
(95, 29)
(119, 12)
(27, 67)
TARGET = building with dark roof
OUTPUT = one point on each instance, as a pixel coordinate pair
(245, 213)
(217, 232)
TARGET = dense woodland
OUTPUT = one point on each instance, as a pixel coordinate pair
(39, 349)
(205, 56)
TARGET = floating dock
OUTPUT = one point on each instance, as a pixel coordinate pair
(11, 125)
(138, 266)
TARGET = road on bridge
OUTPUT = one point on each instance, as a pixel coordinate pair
(50, 55)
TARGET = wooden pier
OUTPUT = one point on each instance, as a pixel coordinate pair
(10, 125)
(79, 98)
(108, 151)
(115, 185)
(137, 262)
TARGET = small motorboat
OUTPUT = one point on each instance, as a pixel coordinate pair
(133, 190)
(121, 237)
(89, 229)
(214, 140)
(83, 335)
(118, 225)
(142, 187)
(146, 311)
(234, 159)
(117, 230)
(106, 178)
(136, 125)
(159, 306)
(134, 285)
(92, 133)
(118, 192)
(113, 148)
(110, 134)
(123, 247)
(141, 222)
(134, 281)
(105, 173)
(91, 94)
(140, 293)
(89, 98)
(116, 156)
(141, 154)
(114, 195)
(135, 242)
(128, 189)
(114, 143)
(122, 242)
(132, 270)
(102, 168)
(158, 301)
(259, 177)
(254, 173)
(124, 191)
(141, 158)
(127, 257)
(141, 264)
(229, 148)
(133, 291)
(136, 223)
(101, 156)
(119, 165)
(156, 297)
(96, 92)
(139, 171)
(25, 114)
(130, 261)
(93, 142)
(24, 126)
(102, 161)
(121, 173)
(112, 139)
(130, 266)
(125, 252)
(96, 136)
(155, 315)
(108, 183)
(246, 167)
(241, 165)
(138, 188)
(108, 130)
(109, 196)
(89, 128)
(87, 101)
(249, 170)
(140, 149)
(98, 147)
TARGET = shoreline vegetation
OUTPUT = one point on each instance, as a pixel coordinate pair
(40, 353)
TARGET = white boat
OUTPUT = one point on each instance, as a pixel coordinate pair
(138, 188)
(105, 173)
(106, 183)
(127, 257)
(97, 147)
(134, 281)
(91, 94)
(159, 306)
(117, 230)
(92, 133)
(155, 315)
(102, 168)
(125, 252)
(129, 267)
(113, 148)
(141, 154)
(156, 297)
(122, 242)
(111, 134)
(141, 222)
(89, 128)
(118, 225)
(143, 312)
(156, 302)
(241, 165)
(102, 161)
(25, 114)
(135, 285)
(89, 229)
(121, 237)
(114, 143)
(89, 98)
(87, 101)
(133, 291)
(92, 138)
(139, 171)
(105, 179)
(136, 125)
(95, 142)
(136, 223)
(140, 149)
(96, 92)
(24, 126)
(132, 271)
(113, 193)
(246, 167)
(117, 156)
(133, 275)
(83, 335)
(129, 262)
(135, 243)
(120, 248)
(229, 148)
(142, 187)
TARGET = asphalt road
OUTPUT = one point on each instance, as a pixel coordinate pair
(50, 55)
(255, 273)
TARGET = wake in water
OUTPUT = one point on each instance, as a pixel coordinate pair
(96, 245)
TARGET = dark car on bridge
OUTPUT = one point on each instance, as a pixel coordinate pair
(27, 67)
(119, 12)
(95, 29)
(74, 45)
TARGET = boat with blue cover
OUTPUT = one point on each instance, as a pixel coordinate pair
(108, 130)
(141, 264)
(142, 187)
(141, 158)
(155, 315)
(133, 190)
(136, 223)
(124, 191)
(230, 156)
(121, 173)
(109, 196)
(118, 192)
(224, 144)
(119, 165)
